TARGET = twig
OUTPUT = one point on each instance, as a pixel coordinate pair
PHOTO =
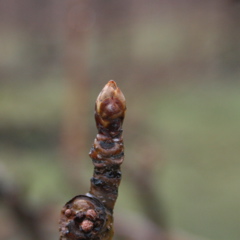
(90, 216)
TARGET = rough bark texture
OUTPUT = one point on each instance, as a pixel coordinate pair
(90, 216)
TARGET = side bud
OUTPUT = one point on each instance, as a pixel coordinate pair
(85, 217)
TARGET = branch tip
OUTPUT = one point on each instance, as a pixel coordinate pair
(111, 102)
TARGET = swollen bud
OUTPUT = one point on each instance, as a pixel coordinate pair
(110, 103)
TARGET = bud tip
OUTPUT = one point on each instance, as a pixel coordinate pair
(111, 101)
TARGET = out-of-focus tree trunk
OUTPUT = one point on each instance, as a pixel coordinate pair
(230, 48)
(79, 20)
(113, 39)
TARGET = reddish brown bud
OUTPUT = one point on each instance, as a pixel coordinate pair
(110, 103)
(87, 225)
(68, 212)
(91, 214)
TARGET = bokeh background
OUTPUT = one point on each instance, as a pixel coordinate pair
(178, 64)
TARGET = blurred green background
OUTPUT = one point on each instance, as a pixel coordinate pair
(177, 63)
